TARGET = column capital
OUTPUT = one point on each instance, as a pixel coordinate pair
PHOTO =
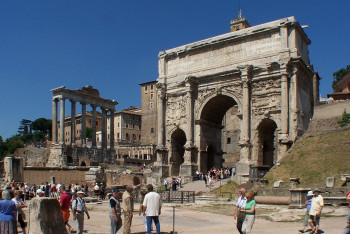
(62, 98)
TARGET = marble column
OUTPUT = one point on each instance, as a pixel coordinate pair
(54, 120)
(103, 128)
(62, 115)
(72, 126)
(190, 83)
(243, 166)
(93, 126)
(83, 124)
(284, 134)
(111, 130)
(161, 115)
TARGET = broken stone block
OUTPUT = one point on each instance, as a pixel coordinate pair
(330, 181)
(45, 216)
(278, 184)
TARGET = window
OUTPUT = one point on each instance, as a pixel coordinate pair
(152, 130)
(108, 136)
(151, 86)
(133, 126)
(126, 125)
(118, 135)
(145, 88)
(96, 123)
(118, 124)
(134, 137)
(151, 105)
(127, 136)
(228, 140)
(151, 96)
(140, 126)
(139, 137)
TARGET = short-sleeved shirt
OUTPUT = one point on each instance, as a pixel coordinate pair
(308, 205)
(114, 203)
(241, 202)
(152, 202)
(249, 206)
(7, 209)
(78, 204)
(65, 200)
(18, 202)
(316, 204)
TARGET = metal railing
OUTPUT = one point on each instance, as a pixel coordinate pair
(178, 196)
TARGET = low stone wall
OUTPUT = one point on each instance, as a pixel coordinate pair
(64, 175)
(119, 178)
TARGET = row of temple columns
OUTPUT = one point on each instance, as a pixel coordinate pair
(83, 123)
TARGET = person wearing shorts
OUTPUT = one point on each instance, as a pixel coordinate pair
(315, 211)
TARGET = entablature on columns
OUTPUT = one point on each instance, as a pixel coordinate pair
(78, 96)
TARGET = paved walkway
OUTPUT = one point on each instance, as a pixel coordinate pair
(199, 186)
(188, 221)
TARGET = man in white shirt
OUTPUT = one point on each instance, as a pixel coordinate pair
(152, 205)
(315, 210)
(78, 209)
(241, 202)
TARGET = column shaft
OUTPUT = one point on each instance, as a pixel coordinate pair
(284, 104)
(83, 125)
(111, 130)
(54, 120)
(72, 126)
(161, 100)
(62, 115)
(103, 128)
(93, 126)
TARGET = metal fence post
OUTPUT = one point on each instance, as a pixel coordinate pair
(173, 219)
(169, 197)
(182, 197)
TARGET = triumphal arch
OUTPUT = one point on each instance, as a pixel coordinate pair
(263, 71)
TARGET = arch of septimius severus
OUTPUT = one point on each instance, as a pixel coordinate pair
(264, 71)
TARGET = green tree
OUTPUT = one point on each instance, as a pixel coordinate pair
(24, 127)
(338, 75)
(42, 129)
(11, 144)
(88, 133)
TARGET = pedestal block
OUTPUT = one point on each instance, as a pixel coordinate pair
(298, 198)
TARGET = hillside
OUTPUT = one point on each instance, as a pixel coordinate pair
(323, 151)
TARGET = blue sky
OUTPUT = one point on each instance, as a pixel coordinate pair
(113, 45)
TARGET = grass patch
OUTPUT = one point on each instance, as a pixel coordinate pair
(314, 159)
(226, 190)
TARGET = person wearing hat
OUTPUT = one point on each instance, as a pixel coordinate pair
(40, 193)
(115, 212)
(128, 208)
(78, 210)
(315, 211)
(308, 206)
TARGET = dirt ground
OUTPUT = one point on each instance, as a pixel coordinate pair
(196, 221)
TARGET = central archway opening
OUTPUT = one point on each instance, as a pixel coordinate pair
(219, 133)
(178, 141)
(267, 142)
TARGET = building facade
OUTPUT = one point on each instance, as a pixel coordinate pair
(262, 72)
(149, 113)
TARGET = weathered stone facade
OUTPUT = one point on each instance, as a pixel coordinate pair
(263, 71)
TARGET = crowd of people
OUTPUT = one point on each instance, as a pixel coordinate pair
(214, 175)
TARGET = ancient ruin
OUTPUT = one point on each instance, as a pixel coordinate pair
(263, 71)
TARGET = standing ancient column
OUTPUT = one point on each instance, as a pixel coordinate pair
(243, 164)
(161, 120)
(54, 120)
(190, 83)
(111, 130)
(72, 126)
(83, 124)
(103, 128)
(93, 126)
(62, 115)
(284, 135)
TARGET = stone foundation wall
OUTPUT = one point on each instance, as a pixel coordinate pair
(66, 176)
(118, 178)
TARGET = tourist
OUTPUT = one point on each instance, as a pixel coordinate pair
(127, 207)
(173, 184)
(8, 214)
(96, 190)
(249, 211)
(179, 182)
(78, 210)
(205, 180)
(308, 206)
(64, 204)
(102, 192)
(143, 193)
(152, 205)
(47, 189)
(40, 193)
(19, 205)
(241, 202)
(315, 211)
(53, 191)
(165, 182)
(115, 212)
(86, 189)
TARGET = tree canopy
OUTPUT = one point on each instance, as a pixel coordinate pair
(338, 75)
